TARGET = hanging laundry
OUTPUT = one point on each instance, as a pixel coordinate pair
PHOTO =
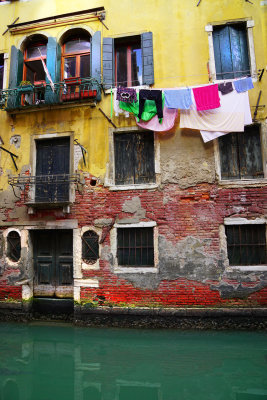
(229, 117)
(128, 95)
(207, 97)
(226, 87)
(169, 117)
(150, 108)
(242, 85)
(207, 136)
(116, 106)
(156, 96)
(179, 99)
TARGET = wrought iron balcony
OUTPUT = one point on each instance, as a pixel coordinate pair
(42, 95)
(43, 190)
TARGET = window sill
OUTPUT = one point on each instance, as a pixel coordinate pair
(134, 187)
(243, 182)
(134, 270)
(251, 268)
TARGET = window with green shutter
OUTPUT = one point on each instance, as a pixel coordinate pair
(231, 51)
(128, 61)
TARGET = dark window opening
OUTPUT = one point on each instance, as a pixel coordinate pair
(76, 56)
(128, 62)
(246, 244)
(231, 51)
(1, 70)
(240, 154)
(13, 246)
(135, 246)
(134, 158)
(90, 247)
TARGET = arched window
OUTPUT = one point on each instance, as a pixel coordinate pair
(76, 55)
(13, 246)
(33, 70)
(90, 247)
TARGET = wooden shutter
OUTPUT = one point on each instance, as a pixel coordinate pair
(147, 58)
(249, 146)
(144, 164)
(15, 76)
(108, 63)
(231, 51)
(124, 158)
(134, 158)
(95, 60)
(228, 146)
(51, 59)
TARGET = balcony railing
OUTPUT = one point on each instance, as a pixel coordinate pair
(42, 95)
(44, 189)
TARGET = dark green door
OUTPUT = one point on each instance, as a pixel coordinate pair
(53, 263)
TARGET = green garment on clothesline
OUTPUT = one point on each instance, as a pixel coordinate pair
(150, 109)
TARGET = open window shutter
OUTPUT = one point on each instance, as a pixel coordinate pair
(108, 62)
(15, 75)
(51, 57)
(147, 57)
(96, 61)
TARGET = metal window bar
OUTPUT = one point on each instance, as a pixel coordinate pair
(90, 249)
(76, 89)
(44, 184)
(14, 246)
(246, 244)
(134, 248)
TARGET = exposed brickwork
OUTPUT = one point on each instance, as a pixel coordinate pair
(179, 213)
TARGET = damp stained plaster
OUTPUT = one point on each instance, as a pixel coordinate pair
(188, 260)
(185, 159)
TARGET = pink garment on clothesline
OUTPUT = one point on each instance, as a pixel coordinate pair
(207, 97)
(168, 121)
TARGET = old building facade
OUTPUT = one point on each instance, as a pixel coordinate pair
(103, 211)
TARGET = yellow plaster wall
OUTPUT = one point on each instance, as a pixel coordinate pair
(180, 58)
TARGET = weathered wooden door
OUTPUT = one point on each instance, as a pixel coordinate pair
(52, 169)
(53, 263)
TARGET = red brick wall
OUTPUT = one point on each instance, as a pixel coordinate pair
(179, 213)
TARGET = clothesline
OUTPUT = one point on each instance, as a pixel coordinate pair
(183, 76)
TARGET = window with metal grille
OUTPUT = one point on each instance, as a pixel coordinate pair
(13, 246)
(246, 244)
(135, 246)
(134, 158)
(90, 247)
(240, 154)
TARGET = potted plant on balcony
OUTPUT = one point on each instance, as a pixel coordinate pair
(25, 87)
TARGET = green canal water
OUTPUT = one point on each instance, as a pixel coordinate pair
(56, 362)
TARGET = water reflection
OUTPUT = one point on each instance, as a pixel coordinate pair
(40, 362)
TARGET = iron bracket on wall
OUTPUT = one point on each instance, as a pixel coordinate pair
(257, 106)
(260, 73)
(109, 120)
(8, 27)
(12, 155)
(83, 150)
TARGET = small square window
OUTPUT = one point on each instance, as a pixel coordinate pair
(128, 61)
(240, 154)
(135, 247)
(134, 158)
(246, 244)
(231, 51)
